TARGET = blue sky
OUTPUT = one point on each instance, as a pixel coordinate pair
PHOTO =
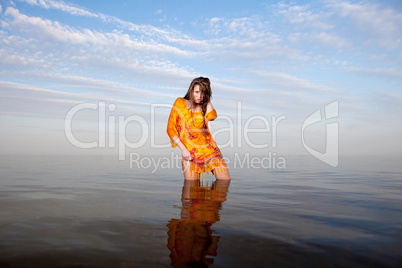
(277, 58)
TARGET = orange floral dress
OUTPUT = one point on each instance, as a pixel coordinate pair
(195, 135)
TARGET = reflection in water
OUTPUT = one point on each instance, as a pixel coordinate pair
(191, 239)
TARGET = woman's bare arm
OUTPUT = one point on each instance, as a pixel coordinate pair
(209, 107)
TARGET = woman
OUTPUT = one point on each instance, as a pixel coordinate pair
(188, 129)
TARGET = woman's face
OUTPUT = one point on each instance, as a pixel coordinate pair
(198, 95)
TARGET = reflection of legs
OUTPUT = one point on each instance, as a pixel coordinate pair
(223, 174)
(221, 189)
(222, 185)
(186, 198)
(187, 172)
(187, 188)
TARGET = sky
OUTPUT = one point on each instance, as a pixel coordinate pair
(99, 77)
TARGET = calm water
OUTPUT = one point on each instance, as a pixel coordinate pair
(64, 211)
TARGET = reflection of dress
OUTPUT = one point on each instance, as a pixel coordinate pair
(192, 242)
(195, 135)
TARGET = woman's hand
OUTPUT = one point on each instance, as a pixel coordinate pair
(185, 152)
(186, 155)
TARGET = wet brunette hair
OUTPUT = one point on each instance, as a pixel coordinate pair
(205, 87)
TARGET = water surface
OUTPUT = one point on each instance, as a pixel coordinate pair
(95, 211)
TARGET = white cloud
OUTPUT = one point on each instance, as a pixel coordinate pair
(387, 73)
(18, 60)
(37, 43)
(302, 16)
(39, 28)
(26, 99)
(144, 30)
(214, 26)
(126, 52)
(60, 5)
(381, 25)
(100, 88)
(290, 83)
(330, 39)
(246, 26)
(253, 50)
(44, 28)
(327, 39)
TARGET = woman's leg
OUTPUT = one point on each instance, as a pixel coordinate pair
(187, 172)
(222, 174)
